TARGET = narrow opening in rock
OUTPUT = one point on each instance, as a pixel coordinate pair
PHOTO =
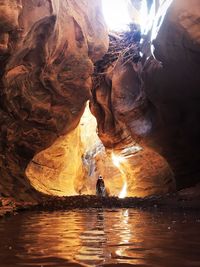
(73, 163)
(62, 169)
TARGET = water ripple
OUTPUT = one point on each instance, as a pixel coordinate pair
(100, 238)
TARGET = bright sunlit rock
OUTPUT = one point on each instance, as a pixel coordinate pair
(117, 160)
(88, 125)
(116, 14)
(123, 193)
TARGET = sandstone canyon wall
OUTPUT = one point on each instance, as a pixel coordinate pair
(155, 101)
(172, 83)
(47, 50)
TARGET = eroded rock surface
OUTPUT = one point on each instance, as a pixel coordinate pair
(172, 84)
(155, 102)
(59, 170)
(47, 50)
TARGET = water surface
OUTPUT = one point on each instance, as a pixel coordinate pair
(125, 237)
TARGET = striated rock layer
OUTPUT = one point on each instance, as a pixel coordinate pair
(47, 50)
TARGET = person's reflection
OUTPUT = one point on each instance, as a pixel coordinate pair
(93, 240)
(100, 220)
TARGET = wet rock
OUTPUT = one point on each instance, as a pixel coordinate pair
(166, 202)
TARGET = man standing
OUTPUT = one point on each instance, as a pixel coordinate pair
(100, 187)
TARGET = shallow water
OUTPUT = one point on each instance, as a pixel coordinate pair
(100, 238)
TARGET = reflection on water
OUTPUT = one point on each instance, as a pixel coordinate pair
(100, 238)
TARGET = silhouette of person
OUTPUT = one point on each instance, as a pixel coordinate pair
(100, 187)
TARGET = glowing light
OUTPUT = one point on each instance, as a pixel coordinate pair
(121, 162)
(149, 18)
(116, 14)
(123, 193)
(160, 17)
(117, 160)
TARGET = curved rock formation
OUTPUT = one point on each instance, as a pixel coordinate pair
(172, 85)
(59, 170)
(47, 50)
(124, 117)
(156, 101)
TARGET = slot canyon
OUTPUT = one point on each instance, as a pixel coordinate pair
(79, 99)
(48, 53)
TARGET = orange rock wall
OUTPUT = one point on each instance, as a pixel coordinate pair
(156, 101)
(47, 50)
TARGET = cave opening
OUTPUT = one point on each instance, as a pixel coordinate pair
(73, 163)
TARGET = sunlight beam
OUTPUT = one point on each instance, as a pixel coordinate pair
(116, 14)
(117, 161)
